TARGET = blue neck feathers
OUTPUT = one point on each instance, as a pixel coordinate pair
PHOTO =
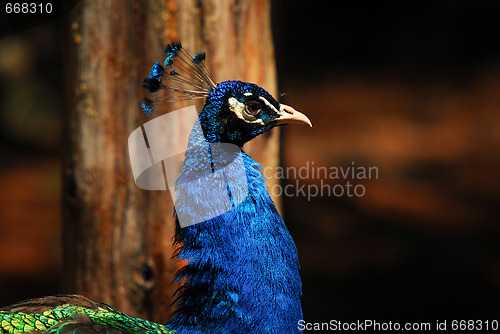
(242, 274)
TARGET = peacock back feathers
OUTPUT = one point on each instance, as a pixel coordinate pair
(72, 314)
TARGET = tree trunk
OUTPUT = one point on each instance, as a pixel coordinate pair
(118, 238)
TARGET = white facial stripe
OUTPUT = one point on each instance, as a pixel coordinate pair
(247, 94)
(238, 108)
(266, 102)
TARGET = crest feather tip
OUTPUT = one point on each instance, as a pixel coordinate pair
(199, 57)
(147, 106)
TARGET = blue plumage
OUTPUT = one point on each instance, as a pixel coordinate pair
(242, 274)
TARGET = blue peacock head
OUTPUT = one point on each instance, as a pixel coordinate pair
(234, 111)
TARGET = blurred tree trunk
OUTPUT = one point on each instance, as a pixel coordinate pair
(118, 238)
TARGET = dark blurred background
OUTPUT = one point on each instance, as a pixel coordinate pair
(412, 88)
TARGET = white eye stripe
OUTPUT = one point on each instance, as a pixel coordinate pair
(239, 109)
(266, 102)
(247, 94)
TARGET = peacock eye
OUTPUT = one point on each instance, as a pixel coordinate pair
(253, 107)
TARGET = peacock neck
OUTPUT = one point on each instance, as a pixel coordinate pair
(242, 274)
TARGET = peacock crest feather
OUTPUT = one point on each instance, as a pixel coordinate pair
(181, 77)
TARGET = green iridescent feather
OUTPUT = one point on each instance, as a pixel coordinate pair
(42, 315)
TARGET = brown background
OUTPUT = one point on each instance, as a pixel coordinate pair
(411, 88)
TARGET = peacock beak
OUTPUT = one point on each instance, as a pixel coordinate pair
(290, 115)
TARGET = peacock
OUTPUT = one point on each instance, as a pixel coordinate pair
(241, 272)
